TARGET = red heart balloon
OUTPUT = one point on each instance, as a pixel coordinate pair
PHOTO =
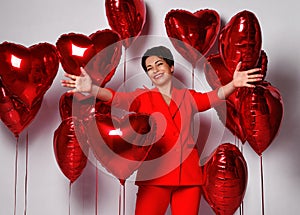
(241, 40)
(127, 17)
(261, 116)
(28, 72)
(192, 34)
(217, 75)
(98, 53)
(226, 176)
(80, 106)
(14, 114)
(68, 153)
(121, 145)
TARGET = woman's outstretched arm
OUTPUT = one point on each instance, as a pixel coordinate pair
(240, 79)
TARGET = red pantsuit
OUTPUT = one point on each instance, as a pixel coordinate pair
(171, 173)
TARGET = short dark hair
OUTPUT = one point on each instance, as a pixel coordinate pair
(160, 51)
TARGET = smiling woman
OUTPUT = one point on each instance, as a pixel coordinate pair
(177, 175)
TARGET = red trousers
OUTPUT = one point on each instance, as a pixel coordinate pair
(154, 200)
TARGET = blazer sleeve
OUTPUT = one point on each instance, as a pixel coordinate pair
(205, 101)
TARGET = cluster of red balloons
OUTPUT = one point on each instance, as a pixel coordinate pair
(119, 144)
(27, 73)
(99, 53)
(252, 114)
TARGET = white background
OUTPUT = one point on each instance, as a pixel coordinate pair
(33, 21)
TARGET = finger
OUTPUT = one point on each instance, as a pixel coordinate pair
(238, 66)
(68, 85)
(73, 91)
(254, 79)
(249, 85)
(70, 76)
(68, 82)
(250, 71)
(83, 72)
(255, 76)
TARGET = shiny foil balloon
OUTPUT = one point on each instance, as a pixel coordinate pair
(68, 153)
(27, 73)
(192, 34)
(80, 106)
(261, 116)
(98, 53)
(217, 75)
(14, 114)
(121, 145)
(241, 40)
(225, 179)
(127, 17)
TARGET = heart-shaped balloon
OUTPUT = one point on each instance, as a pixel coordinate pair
(127, 17)
(98, 53)
(192, 34)
(27, 73)
(68, 153)
(261, 116)
(121, 145)
(81, 106)
(241, 40)
(225, 179)
(14, 114)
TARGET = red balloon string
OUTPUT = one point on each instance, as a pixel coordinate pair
(97, 189)
(26, 175)
(16, 176)
(262, 186)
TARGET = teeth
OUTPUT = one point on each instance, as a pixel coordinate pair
(157, 76)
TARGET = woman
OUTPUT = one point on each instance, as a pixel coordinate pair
(171, 173)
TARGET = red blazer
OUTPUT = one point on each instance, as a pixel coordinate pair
(173, 160)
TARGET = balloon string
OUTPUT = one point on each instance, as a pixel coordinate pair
(242, 208)
(70, 186)
(26, 175)
(193, 78)
(97, 189)
(16, 176)
(262, 186)
(122, 199)
(124, 67)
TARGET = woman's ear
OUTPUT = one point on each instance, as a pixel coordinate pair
(172, 69)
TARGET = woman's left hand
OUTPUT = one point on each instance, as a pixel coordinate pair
(246, 78)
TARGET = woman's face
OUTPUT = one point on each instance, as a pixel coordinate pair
(159, 71)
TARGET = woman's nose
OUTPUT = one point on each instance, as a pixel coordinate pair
(155, 69)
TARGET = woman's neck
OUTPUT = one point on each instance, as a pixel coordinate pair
(166, 89)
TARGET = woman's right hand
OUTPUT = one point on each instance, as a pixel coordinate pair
(82, 83)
